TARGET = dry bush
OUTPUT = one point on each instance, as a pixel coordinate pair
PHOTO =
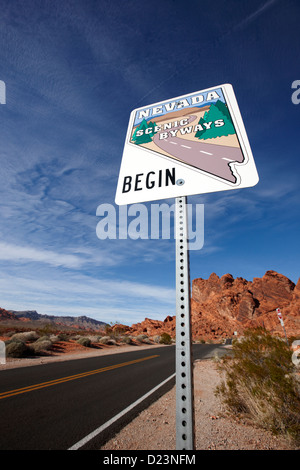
(41, 346)
(143, 339)
(25, 336)
(17, 349)
(84, 341)
(165, 338)
(261, 383)
(156, 339)
(107, 340)
(126, 339)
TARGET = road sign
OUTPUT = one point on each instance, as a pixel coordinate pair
(279, 315)
(192, 144)
(278, 311)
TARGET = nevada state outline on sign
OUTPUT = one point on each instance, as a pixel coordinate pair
(192, 144)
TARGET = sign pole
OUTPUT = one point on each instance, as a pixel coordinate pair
(282, 323)
(184, 371)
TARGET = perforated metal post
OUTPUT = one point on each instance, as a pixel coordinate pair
(184, 370)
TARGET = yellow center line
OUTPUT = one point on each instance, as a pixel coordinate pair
(71, 377)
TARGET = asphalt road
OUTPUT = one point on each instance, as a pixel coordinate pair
(54, 406)
(213, 159)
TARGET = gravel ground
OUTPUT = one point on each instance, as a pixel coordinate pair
(155, 427)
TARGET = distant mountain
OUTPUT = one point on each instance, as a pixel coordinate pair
(7, 315)
(30, 314)
(82, 322)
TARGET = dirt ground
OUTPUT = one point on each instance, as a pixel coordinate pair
(155, 427)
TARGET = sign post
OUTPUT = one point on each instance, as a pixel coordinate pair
(188, 145)
(184, 362)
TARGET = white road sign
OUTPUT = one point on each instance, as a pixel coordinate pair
(192, 144)
(279, 315)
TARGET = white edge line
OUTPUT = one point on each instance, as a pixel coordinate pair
(97, 431)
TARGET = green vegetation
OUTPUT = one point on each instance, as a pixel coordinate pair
(108, 340)
(40, 346)
(25, 336)
(217, 111)
(47, 329)
(165, 338)
(84, 341)
(16, 348)
(261, 383)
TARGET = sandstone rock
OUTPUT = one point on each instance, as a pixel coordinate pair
(246, 307)
(222, 306)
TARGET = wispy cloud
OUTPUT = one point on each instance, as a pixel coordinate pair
(256, 14)
(72, 258)
(14, 253)
(77, 294)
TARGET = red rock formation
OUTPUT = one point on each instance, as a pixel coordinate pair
(154, 327)
(222, 306)
(5, 315)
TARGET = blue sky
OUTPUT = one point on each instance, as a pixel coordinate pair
(74, 70)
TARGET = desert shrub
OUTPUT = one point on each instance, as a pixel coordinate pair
(260, 383)
(63, 337)
(143, 339)
(76, 337)
(59, 337)
(147, 341)
(84, 341)
(165, 338)
(126, 339)
(25, 336)
(94, 338)
(17, 349)
(118, 329)
(108, 330)
(43, 338)
(47, 329)
(156, 338)
(107, 340)
(41, 345)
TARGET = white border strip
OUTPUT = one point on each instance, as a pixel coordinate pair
(97, 431)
